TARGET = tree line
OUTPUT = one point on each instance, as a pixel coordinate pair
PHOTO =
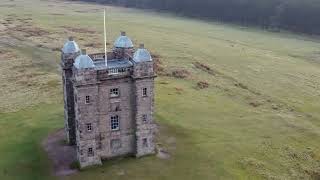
(294, 15)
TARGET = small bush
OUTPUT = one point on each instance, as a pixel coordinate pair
(202, 85)
(157, 64)
(242, 86)
(40, 46)
(94, 45)
(56, 49)
(204, 67)
(180, 73)
(63, 142)
(75, 165)
(179, 90)
(255, 103)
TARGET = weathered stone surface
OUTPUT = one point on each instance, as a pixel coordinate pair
(89, 108)
(69, 114)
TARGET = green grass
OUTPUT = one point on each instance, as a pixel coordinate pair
(218, 131)
(20, 144)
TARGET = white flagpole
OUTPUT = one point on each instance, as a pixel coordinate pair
(105, 38)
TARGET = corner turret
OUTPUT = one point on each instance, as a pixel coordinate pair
(123, 47)
(83, 61)
(143, 64)
(143, 76)
(69, 53)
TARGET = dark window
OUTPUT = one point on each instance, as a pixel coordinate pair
(89, 127)
(144, 118)
(87, 99)
(90, 152)
(145, 142)
(115, 122)
(114, 92)
(144, 92)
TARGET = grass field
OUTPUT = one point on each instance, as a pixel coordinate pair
(258, 119)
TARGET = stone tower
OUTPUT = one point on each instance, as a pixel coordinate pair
(112, 103)
(143, 76)
(69, 52)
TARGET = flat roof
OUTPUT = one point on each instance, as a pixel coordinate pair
(114, 63)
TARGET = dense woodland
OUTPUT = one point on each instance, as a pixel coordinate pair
(294, 15)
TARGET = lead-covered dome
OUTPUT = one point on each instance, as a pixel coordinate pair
(70, 47)
(123, 41)
(142, 55)
(83, 61)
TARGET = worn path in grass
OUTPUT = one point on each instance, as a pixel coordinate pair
(62, 155)
(232, 102)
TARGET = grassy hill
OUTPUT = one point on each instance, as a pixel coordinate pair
(259, 117)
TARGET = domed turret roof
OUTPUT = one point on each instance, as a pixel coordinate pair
(142, 55)
(123, 41)
(83, 61)
(70, 46)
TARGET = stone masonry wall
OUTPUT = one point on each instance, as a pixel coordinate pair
(66, 66)
(86, 113)
(145, 126)
(121, 106)
(143, 75)
(94, 107)
(69, 107)
(105, 143)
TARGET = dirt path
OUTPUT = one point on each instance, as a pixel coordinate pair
(60, 153)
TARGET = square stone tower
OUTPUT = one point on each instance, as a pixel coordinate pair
(69, 53)
(109, 104)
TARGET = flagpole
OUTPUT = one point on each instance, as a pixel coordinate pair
(105, 38)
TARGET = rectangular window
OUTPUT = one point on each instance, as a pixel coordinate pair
(99, 138)
(115, 106)
(115, 145)
(89, 127)
(144, 118)
(90, 152)
(115, 123)
(114, 92)
(99, 144)
(145, 142)
(87, 99)
(144, 92)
